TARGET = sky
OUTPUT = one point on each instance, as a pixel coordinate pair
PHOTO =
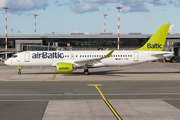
(86, 16)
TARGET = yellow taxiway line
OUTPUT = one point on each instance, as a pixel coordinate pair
(53, 77)
(105, 100)
(113, 70)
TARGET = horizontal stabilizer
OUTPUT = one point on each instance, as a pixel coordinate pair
(165, 54)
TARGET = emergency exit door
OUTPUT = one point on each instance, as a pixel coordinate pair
(72, 56)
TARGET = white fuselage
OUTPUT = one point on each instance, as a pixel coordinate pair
(51, 58)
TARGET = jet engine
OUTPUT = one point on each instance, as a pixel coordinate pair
(65, 67)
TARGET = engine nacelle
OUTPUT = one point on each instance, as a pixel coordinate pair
(65, 67)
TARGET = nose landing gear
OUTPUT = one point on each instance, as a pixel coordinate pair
(19, 73)
(86, 71)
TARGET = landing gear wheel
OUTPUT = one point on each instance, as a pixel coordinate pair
(86, 71)
(19, 73)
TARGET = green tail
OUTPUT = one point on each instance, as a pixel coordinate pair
(156, 42)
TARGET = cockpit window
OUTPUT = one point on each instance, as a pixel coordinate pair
(14, 56)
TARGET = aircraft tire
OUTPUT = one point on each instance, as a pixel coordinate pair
(19, 73)
(86, 72)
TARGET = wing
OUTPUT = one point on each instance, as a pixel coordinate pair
(87, 62)
(90, 62)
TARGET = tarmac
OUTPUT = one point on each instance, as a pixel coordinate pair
(140, 92)
(145, 71)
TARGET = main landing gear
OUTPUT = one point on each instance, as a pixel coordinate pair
(86, 71)
(19, 73)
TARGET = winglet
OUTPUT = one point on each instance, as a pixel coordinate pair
(156, 42)
(107, 49)
(109, 54)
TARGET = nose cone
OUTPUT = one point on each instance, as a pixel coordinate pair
(7, 62)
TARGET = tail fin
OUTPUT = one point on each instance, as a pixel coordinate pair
(156, 42)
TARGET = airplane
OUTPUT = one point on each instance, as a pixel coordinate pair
(68, 61)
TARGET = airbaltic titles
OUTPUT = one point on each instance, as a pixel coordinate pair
(155, 45)
(48, 55)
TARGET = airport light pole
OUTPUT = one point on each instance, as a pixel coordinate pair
(118, 23)
(11, 31)
(105, 22)
(6, 30)
(35, 22)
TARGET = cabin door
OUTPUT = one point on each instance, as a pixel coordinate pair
(27, 57)
(136, 56)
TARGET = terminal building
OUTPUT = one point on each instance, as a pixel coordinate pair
(81, 41)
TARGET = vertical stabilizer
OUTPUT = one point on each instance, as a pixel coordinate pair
(156, 42)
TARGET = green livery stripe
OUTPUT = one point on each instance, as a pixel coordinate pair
(156, 42)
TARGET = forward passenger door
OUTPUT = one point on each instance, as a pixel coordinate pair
(27, 57)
